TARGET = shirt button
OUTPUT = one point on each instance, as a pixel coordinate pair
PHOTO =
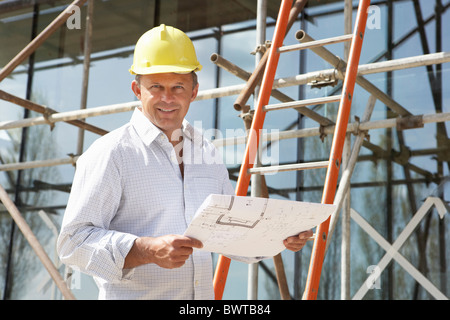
(196, 283)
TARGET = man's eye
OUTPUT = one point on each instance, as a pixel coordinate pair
(177, 89)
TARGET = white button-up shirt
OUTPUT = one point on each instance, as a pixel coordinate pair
(128, 184)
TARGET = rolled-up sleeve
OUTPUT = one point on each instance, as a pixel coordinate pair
(85, 239)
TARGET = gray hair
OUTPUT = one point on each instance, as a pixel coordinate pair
(194, 79)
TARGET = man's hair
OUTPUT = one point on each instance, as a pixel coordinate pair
(194, 79)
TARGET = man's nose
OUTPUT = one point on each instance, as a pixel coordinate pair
(167, 95)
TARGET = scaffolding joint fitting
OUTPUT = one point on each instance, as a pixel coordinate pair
(402, 157)
(340, 68)
(359, 132)
(323, 80)
(73, 158)
(46, 114)
(322, 132)
(409, 122)
(247, 115)
(262, 48)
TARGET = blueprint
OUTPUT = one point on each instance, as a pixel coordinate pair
(251, 226)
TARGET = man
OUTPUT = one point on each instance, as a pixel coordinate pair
(137, 188)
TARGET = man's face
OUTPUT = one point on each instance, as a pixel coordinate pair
(165, 98)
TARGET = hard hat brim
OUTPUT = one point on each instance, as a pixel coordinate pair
(164, 69)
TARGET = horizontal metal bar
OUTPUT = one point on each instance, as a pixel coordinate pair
(302, 103)
(282, 135)
(289, 167)
(404, 63)
(70, 115)
(316, 43)
(399, 64)
(47, 111)
(38, 164)
(341, 65)
(365, 69)
(352, 127)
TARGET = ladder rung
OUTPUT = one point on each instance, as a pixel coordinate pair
(302, 103)
(315, 43)
(289, 167)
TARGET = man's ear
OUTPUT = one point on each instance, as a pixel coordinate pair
(136, 88)
(194, 93)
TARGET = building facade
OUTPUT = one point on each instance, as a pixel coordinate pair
(398, 168)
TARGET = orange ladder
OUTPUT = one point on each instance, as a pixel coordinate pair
(334, 162)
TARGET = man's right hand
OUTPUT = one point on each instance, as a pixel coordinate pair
(170, 251)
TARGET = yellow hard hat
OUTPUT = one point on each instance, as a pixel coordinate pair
(164, 49)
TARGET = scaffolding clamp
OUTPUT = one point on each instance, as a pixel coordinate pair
(46, 114)
(358, 131)
(262, 48)
(409, 122)
(323, 80)
(340, 68)
(322, 132)
(247, 116)
(402, 157)
(73, 159)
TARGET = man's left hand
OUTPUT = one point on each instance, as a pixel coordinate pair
(296, 243)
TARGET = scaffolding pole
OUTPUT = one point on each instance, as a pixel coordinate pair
(256, 184)
(34, 243)
(70, 115)
(86, 69)
(40, 39)
(344, 183)
(308, 78)
(399, 64)
(353, 127)
(47, 111)
(347, 162)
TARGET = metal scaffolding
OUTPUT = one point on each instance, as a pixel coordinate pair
(401, 119)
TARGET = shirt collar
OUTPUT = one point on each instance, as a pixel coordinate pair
(148, 132)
